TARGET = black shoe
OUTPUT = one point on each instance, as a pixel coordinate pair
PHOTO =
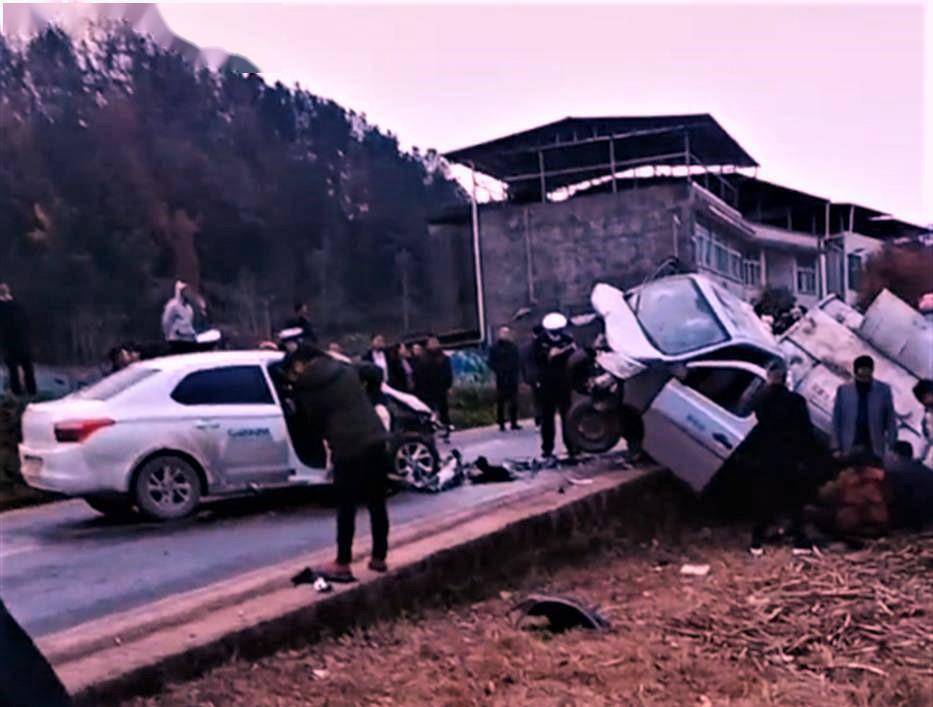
(516, 427)
(502, 428)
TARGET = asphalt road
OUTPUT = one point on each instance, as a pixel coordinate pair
(63, 564)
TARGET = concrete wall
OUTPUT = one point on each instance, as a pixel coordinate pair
(548, 256)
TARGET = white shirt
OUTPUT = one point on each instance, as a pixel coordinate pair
(379, 358)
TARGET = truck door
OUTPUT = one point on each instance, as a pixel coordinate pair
(696, 423)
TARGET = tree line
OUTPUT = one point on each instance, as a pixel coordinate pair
(123, 167)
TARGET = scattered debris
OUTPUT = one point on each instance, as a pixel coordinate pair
(562, 613)
(694, 570)
(828, 613)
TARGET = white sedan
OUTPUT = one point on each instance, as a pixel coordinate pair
(162, 434)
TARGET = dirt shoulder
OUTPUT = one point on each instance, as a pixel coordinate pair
(839, 628)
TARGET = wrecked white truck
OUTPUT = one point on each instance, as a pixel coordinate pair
(690, 358)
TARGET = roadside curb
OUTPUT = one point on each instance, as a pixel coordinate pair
(271, 614)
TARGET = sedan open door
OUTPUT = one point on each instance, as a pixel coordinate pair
(698, 421)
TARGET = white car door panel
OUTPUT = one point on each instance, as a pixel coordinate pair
(694, 435)
(243, 443)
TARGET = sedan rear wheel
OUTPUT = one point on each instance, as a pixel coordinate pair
(167, 487)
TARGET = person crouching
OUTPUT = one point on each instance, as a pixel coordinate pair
(339, 408)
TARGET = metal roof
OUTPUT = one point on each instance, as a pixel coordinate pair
(575, 150)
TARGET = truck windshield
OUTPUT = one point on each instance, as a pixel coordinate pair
(676, 316)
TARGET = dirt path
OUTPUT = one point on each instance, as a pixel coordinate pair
(836, 629)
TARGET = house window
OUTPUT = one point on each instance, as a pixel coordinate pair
(854, 261)
(713, 253)
(806, 276)
(752, 271)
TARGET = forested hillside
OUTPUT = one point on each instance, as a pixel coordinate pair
(122, 167)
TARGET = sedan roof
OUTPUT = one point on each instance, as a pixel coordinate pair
(214, 358)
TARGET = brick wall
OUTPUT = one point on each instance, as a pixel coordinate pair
(550, 255)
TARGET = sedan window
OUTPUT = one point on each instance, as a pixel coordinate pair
(676, 316)
(113, 385)
(230, 385)
(733, 389)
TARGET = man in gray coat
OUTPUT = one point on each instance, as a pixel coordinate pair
(864, 422)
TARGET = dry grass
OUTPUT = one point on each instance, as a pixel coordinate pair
(838, 629)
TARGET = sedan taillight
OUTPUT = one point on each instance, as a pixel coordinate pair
(79, 430)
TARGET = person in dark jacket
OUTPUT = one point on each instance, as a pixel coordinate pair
(434, 377)
(334, 398)
(783, 441)
(301, 320)
(14, 343)
(910, 484)
(553, 349)
(401, 373)
(505, 362)
(26, 677)
(530, 373)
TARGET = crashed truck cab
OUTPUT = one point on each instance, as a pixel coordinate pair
(689, 357)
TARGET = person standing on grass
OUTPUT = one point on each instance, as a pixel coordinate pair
(553, 348)
(15, 344)
(864, 422)
(784, 442)
(434, 377)
(333, 398)
(505, 362)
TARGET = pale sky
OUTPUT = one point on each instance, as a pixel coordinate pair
(829, 98)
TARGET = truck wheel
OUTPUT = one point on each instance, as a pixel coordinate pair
(167, 488)
(112, 506)
(591, 430)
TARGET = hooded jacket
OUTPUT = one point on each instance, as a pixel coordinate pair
(331, 393)
(178, 317)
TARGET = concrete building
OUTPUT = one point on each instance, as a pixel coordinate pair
(612, 199)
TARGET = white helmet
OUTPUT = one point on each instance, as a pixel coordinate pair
(555, 321)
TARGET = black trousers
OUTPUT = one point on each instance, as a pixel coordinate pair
(21, 364)
(182, 347)
(362, 480)
(779, 490)
(553, 403)
(440, 405)
(507, 400)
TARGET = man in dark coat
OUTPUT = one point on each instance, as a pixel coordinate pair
(331, 394)
(434, 377)
(301, 320)
(14, 343)
(505, 362)
(553, 348)
(910, 484)
(530, 374)
(783, 441)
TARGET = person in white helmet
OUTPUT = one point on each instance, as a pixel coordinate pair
(553, 348)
